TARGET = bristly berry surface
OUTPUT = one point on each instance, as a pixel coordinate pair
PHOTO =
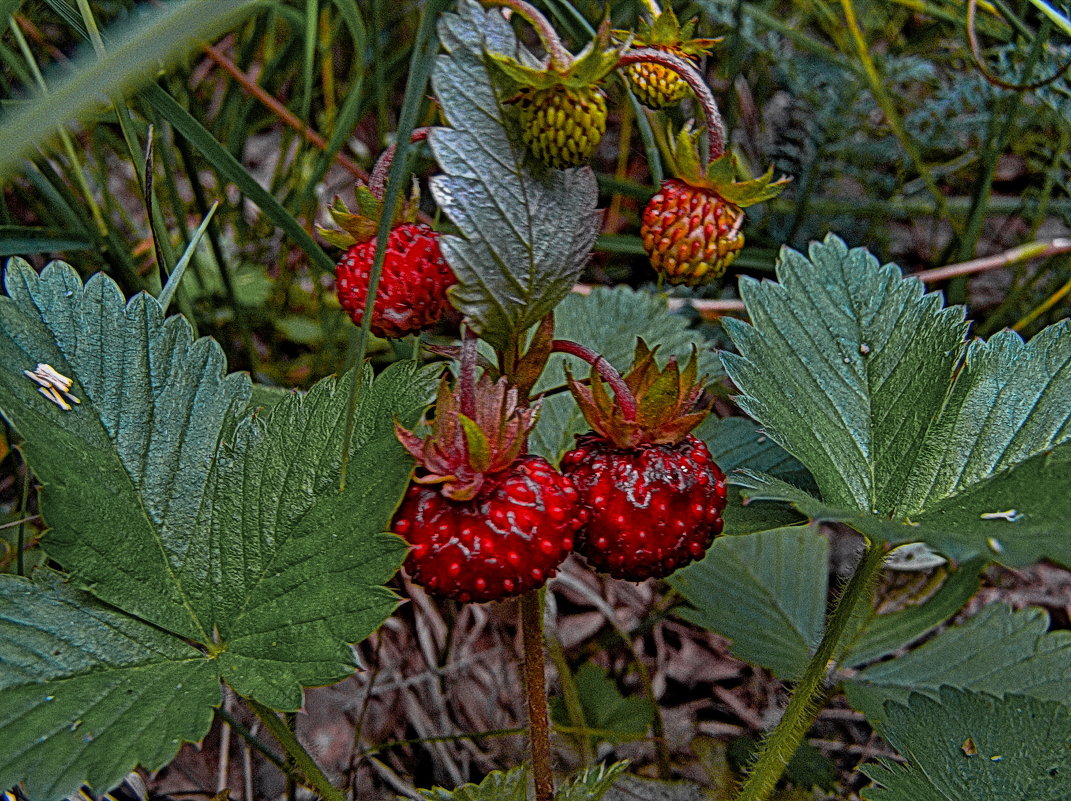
(691, 233)
(507, 539)
(652, 508)
(561, 126)
(411, 295)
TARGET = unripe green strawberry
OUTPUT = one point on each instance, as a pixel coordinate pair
(655, 85)
(690, 233)
(561, 126)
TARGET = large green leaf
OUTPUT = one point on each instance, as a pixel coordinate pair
(998, 651)
(910, 433)
(125, 473)
(608, 321)
(524, 234)
(612, 716)
(766, 592)
(135, 53)
(87, 692)
(229, 536)
(963, 746)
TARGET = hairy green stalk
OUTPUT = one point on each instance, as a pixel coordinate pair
(806, 701)
(302, 759)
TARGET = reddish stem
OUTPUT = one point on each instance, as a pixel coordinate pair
(467, 378)
(377, 183)
(625, 399)
(536, 690)
(560, 60)
(688, 73)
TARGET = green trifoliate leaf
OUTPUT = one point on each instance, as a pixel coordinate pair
(523, 237)
(230, 538)
(910, 433)
(998, 651)
(608, 321)
(125, 471)
(496, 786)
(964, 746)
(88, 692)
(766, 592)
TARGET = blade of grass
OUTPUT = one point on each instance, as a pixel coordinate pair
(421, 64)
(27, 240)
(136, 50)
(173, 280)
(232, 170)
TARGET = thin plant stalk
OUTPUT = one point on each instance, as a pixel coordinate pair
(315, 777)
(712, 116)
(625, 399)
(806, 701)
(531, 609)
(548, 37)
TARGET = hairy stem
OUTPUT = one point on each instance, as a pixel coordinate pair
(536, 691)
(560, 60)
(302, 760)
(691, 76)
(467, 379)
(625, 399)
(805, 703)
(377, 182)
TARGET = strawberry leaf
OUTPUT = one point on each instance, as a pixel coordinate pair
(910, 432)
(997, 651)
(87, 692)
(761, 592)
(524, 234)
(968, 745)
(496, 786)
(228, 539)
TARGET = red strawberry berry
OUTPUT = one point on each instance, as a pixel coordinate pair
(653, 508)
(411, 295)
(508, 539)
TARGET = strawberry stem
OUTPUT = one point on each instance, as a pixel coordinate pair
(625, 399)
(688, 73)
(806, 701)
(467, 378)
(531, 608)
(560, 59)
(377, 181)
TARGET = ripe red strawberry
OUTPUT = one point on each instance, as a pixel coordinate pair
(653, 508)
(652, 491)
(411, 295)
(508, 539)
(486, 522)
(691, 228)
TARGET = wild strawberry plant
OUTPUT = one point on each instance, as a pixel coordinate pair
(204, 532)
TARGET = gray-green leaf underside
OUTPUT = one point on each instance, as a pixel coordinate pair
(966, 746)
(224, 532)
(608, 321)
(910, 432)
(998, 651)
(525, 232)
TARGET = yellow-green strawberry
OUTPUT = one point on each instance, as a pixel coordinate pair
(560, 108)
(692, 227)
(655, 85)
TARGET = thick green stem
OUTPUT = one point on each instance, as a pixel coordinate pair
(536, 691)
(302, 759)
(806, 701)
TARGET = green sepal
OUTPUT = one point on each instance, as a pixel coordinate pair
(720, 174)
(478, 446)
(666, 31)
(597, 60)
(360, 226)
